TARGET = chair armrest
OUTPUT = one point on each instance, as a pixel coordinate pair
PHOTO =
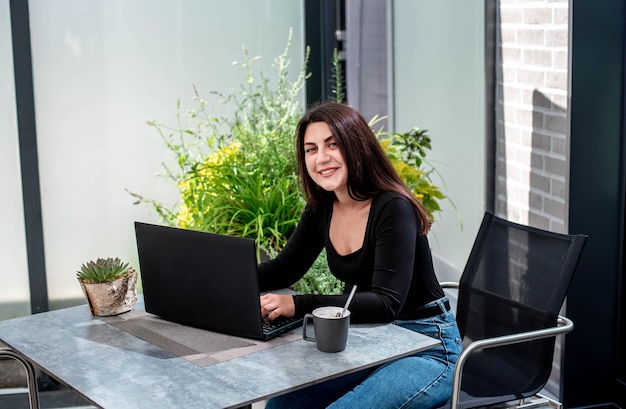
(449, 284)
(563, 326)
(31, 378)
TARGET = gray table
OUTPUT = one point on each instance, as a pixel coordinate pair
(114, 369)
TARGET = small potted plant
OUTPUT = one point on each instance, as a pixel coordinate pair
(109, 285)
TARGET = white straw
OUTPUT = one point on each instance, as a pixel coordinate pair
(345, 307)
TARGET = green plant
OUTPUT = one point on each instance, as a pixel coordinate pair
(338, 88)
(407, 152)
(319, 280)
(237, 175)
(103, 270)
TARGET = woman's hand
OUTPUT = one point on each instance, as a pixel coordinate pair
(275, 305)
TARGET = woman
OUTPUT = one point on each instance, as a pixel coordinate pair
(374, 232)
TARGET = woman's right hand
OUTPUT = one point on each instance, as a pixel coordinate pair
(276, 305)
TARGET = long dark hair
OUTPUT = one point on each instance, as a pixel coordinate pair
(369, 170)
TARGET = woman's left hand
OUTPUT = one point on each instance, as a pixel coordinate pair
(275, 305)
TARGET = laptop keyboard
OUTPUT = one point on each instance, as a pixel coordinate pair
(280, 325)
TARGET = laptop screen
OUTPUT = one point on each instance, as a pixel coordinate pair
(200, 279)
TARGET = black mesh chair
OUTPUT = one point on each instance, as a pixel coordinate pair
(509, 298)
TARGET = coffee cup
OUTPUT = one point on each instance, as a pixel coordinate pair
(330, 328)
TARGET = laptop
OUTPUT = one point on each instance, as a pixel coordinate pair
(204, 280)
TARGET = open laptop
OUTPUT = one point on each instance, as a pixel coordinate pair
(203, 280)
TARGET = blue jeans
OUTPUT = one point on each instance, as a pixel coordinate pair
(423, 380)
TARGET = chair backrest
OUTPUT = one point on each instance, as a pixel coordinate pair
(516, 279)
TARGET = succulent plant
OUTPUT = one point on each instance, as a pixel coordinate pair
(103, 270)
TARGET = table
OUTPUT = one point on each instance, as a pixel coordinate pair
(114, 369)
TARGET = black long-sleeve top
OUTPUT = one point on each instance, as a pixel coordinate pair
(393, 270)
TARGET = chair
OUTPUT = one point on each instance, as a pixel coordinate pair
(509, 297)
(31, 379)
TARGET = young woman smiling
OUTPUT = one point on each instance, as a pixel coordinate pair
(374, 232)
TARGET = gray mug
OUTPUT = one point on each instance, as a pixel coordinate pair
(331, 330)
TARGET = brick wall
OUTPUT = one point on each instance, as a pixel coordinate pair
(532, 120)
(531, 112)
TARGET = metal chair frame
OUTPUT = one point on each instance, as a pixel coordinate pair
(31, 376)
(563, 326)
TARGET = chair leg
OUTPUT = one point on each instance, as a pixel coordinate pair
(31, 377)
(538, 401)
(554, 403)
